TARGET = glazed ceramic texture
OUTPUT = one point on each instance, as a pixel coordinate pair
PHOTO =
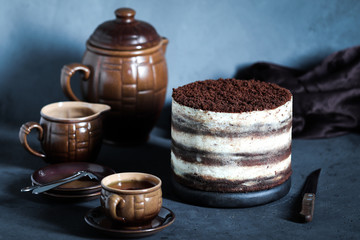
(131, 79)
(68, 132)
(131, 208)
(97, 219)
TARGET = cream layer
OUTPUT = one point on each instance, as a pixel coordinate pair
(245, 145)
(264, 122)
(230, 172)
(259, 121)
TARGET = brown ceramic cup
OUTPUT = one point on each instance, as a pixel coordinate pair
(131, 199)
(67, 131)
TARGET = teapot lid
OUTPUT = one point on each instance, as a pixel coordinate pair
(124, 33)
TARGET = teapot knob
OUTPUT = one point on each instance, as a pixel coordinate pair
(125, 14)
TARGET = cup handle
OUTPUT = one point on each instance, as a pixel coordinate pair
(67, 72)
(112, 203)
(25, 130)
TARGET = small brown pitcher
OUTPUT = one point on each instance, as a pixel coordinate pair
(124, 66)
(68, 132)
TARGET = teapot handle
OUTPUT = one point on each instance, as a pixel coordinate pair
(23, 133)
(67, 72)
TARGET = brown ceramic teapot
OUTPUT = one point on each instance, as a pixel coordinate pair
(124, 66)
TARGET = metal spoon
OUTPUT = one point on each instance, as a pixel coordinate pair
(45, 187)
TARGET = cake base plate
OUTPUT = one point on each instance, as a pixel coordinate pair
(230, 200)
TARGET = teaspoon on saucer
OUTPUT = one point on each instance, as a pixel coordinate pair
(36, 189)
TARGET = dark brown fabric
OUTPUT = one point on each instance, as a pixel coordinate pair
(326, 98)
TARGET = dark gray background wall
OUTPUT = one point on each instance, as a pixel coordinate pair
(208, 39)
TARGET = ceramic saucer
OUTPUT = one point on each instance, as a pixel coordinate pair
(62, 170)
(73, 197)
(96, 218)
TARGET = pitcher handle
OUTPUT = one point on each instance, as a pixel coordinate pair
(67, 72)
(25, 130)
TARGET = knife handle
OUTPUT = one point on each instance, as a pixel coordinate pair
(307, 206)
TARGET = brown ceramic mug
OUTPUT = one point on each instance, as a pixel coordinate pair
(67, 131)
(132, 199)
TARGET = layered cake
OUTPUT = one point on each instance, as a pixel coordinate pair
(231, 135)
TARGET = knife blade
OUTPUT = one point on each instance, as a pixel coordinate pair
(308, 196)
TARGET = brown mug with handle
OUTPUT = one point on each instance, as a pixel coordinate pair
(132, 199)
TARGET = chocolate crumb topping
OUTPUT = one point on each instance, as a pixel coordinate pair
(231, 95)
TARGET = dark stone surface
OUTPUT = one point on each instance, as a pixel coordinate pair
(337, 212)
